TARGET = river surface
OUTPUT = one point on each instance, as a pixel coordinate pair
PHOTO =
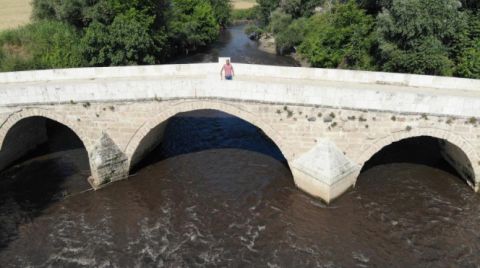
(218, 193)
(235, 44)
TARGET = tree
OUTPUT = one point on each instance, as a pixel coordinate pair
(471, 4)
(341, 38)
(374, 6)
(80, 13)
(292, 7)
(420, 36)
(41, 45)
(191, 25)
(468, 63)
(292, 36)
(71, 11)
(266, 8)
(128, 40)
(279, 21)
(222, 11)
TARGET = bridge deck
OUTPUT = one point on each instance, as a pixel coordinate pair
(335, 88)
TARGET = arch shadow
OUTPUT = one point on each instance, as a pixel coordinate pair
(42, 161)
(149, 135)
(435, 148)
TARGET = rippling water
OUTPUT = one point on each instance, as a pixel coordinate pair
(217, 193)
(232, 205)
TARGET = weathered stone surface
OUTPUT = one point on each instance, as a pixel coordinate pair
(324, 166)
(109, 162)
(23, 137)
(113, 110)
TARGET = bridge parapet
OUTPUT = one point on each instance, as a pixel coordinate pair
(326, 122)
(267, 72)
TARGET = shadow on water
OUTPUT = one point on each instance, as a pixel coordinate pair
(423, 150)
(206, 130)
(48, 174)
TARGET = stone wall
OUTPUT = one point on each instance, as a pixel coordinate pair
(22, 138)
(148, 143)
(327, 129)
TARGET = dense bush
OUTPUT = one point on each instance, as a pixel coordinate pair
(439, 37)
(128, 40)
(279, 21)
(292, 36)
(253, 28)
(191, 24)
(252, 13)
(341, 38)
(469, 63)
(419, 36)
(72, 33)
(41, 45)
(222, 10)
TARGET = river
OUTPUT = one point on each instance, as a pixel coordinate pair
(217, 192)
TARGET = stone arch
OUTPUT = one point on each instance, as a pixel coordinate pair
(189, 106)
(440, 134)
(16, 117)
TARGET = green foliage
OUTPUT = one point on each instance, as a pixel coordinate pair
(222, 10)
(42, 45)
(300, 8)
(266, 7)
(252, 13)
(118, 32)
(279, 21)
(128, 40)
(374, 6)
(252, 28)
(292, 7)
(420, 36)
(429, 56)
(71, 11)
(469, 62)
(292, 36)
(192, 24)
(341, 38)
(470, 4)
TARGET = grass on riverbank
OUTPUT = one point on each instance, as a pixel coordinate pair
(14, 13)
(46, 44)
(245, 14)
(243, 4)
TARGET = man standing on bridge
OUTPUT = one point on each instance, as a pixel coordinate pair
(228, 68)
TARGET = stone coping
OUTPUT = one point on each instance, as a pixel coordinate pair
(250, 70)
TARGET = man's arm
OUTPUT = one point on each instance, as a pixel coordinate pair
(221, 72)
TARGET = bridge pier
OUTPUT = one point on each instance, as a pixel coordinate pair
(107, 163)
(324, 171)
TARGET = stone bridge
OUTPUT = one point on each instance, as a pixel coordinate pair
(327, 123)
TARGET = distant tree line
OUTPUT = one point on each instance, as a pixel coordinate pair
(436, 37)
(73, 33)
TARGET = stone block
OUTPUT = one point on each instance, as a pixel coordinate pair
(324, 171)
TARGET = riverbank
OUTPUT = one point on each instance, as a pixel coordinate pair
(266, 43)
(243, 4)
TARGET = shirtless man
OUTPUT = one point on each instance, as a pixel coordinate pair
(229, 73)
